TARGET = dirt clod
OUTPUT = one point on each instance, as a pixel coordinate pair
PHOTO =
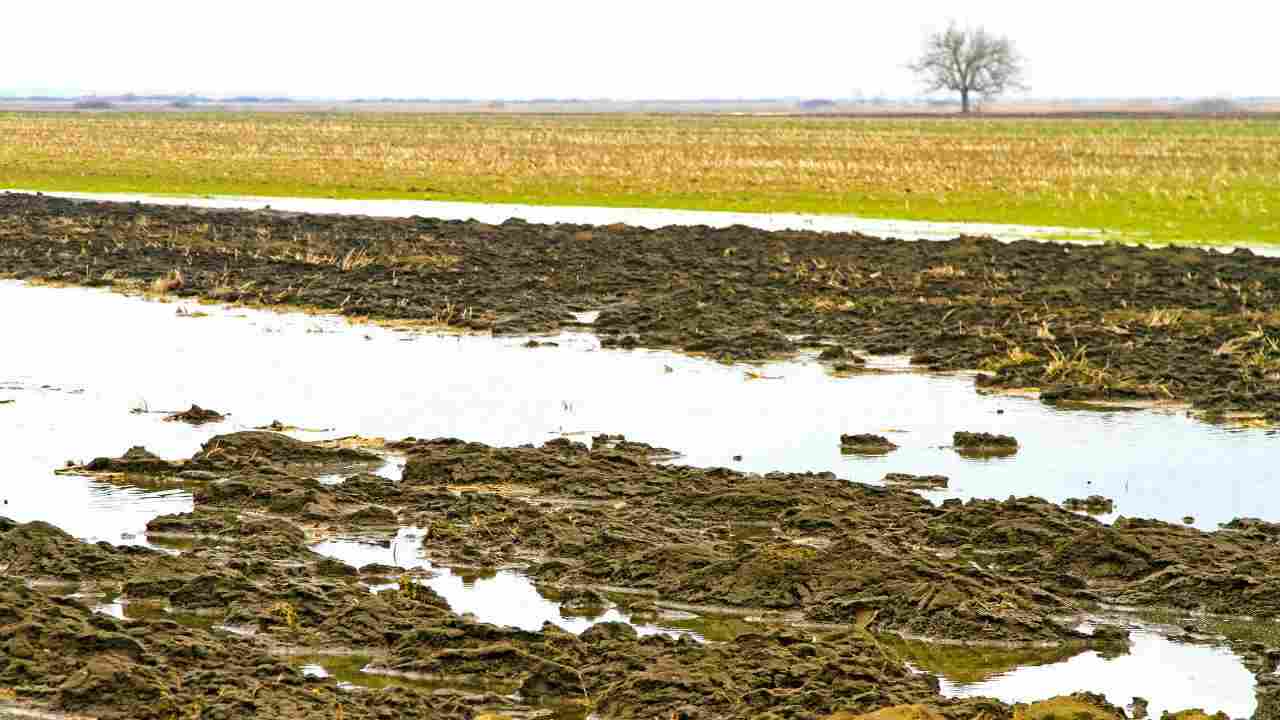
(196, 415)
(1094, 505)
(866, 444)
(927, 482)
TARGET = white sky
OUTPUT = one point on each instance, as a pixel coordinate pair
(624, 50)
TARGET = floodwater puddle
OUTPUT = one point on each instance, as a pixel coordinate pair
(133, 609)
(496, 213)
(360, 671)
(653, 218)
(73, 401)
(1171, 675)
(1207, 676)
(502, 597)
(355, 672)
(365, 381)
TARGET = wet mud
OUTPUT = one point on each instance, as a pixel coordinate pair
(829, 571)
(196, 415)
(1113, 323)
(981, 444)
(1093, 505)
(866, 444)
(918, 482)
(832, 584)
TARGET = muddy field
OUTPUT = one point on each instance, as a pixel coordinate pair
(820, 587)
(830, 570)
(1078, 323)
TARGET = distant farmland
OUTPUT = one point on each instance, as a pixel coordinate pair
(1198, 180)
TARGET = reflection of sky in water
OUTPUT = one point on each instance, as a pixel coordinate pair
(645, 217)
(505, 598)
(43, 429)
(115, 609)
(1172, 676)
(322, 373)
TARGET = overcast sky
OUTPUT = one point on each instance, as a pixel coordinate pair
(624, 50)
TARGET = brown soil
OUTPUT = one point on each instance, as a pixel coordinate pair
(1094, 505)
(860, 560)
(853, 563)
(866, 445)
(984, 444)
(1100, 322)
(196, 415)
(926, 482)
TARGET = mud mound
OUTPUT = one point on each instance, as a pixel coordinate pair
(40, 550)
(881, 558)
(984, 444)
(259, 451)
(196, 415)
(630, 677)
(867, 559)
(1117, 322)
(835, 542)
(983, 441)
(1094, 505)
(63, 657)
(1080, 706)
(922, 482)
(1254, 527)
(136, 459)
(866, 445)
(221, 524)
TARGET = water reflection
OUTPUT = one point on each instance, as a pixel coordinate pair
(352, 671)
(493, 390)
(501, 597)
(496, 213)
(968, 665)
(1172, 676)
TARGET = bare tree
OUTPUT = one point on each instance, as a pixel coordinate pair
(970, 61)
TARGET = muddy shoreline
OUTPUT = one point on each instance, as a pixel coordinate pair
(1110, 323)
(856, 563)
(815, 583)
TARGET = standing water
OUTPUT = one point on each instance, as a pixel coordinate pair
(92, 387)
(72, 399)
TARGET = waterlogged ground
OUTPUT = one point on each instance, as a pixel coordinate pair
(1176, 675)
(118, 354)
(497, 213)
(117, 363)
(1108, 322)
(1171, 675)
(503, 597)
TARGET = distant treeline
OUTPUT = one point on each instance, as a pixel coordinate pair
(150, 99)
(104, 101)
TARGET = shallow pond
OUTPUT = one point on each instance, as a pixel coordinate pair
(503, 597)
(78, 362)
(653, 218)
(353, 671)
(72, 397)
(1171, 675)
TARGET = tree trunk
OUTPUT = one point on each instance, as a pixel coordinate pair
(964, 101)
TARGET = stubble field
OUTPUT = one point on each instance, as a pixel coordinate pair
(1144, 179)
